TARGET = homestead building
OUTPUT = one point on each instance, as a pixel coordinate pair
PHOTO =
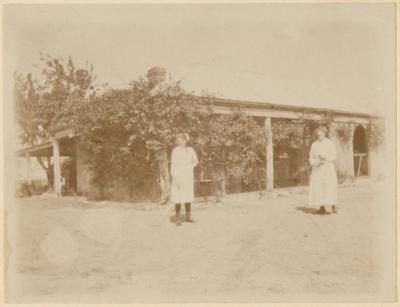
(348, 124)
(355, 157)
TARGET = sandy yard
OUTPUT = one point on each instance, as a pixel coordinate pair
(243, 250)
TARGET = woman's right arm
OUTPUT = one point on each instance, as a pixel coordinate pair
(173, 163)
(313, 158)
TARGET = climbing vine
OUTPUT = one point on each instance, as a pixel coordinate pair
(376, 133)
(326, 119)
(344, 133)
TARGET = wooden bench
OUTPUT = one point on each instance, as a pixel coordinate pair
(220, 193)
(360, 156)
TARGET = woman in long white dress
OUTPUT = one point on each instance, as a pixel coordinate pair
(323, 181)
(183, 161)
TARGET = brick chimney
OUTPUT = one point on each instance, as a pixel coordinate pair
(156, 75)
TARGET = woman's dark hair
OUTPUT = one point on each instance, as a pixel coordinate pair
(183, 136)
(321, 128)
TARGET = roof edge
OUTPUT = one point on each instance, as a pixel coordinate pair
(271, 106)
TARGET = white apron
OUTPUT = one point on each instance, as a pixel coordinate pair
(323, 181)
(183, 160)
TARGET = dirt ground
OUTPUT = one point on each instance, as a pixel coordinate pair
(243, 250)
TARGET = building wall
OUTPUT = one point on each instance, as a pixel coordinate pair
(344, 165)
(117, 191)
(83, 174)
(28, 169)
(345, 161)
(114, 190)
(377, 161)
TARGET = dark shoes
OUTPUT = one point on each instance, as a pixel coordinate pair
(322, 210)
(188, 214)
(178, 221)
(189, 219)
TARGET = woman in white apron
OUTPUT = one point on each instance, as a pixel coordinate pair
(323, 181)
(183, 160)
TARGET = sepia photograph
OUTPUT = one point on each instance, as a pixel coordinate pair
(165, 153)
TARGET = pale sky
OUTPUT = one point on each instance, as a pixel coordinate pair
(327, 55)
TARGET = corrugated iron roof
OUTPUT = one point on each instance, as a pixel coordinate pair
(264, 88)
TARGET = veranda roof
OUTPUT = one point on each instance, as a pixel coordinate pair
(243, 86)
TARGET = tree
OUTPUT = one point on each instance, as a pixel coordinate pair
(376, 133)
(292, 140)
(132, 131)
(128, 135)
(232, 146)
(51, 103)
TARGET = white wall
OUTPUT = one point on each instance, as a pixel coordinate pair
(377, 161)
(29, 170)
(345, 161)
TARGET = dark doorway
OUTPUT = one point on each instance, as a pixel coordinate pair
(292, 141)
(360, 152)
(68, 166)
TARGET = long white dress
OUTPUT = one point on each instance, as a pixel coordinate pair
(323, 181)
(183, 160)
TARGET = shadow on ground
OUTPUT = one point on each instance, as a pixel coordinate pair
(172, 218)
(310, 211)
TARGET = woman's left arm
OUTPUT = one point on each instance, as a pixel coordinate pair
(331, 153)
